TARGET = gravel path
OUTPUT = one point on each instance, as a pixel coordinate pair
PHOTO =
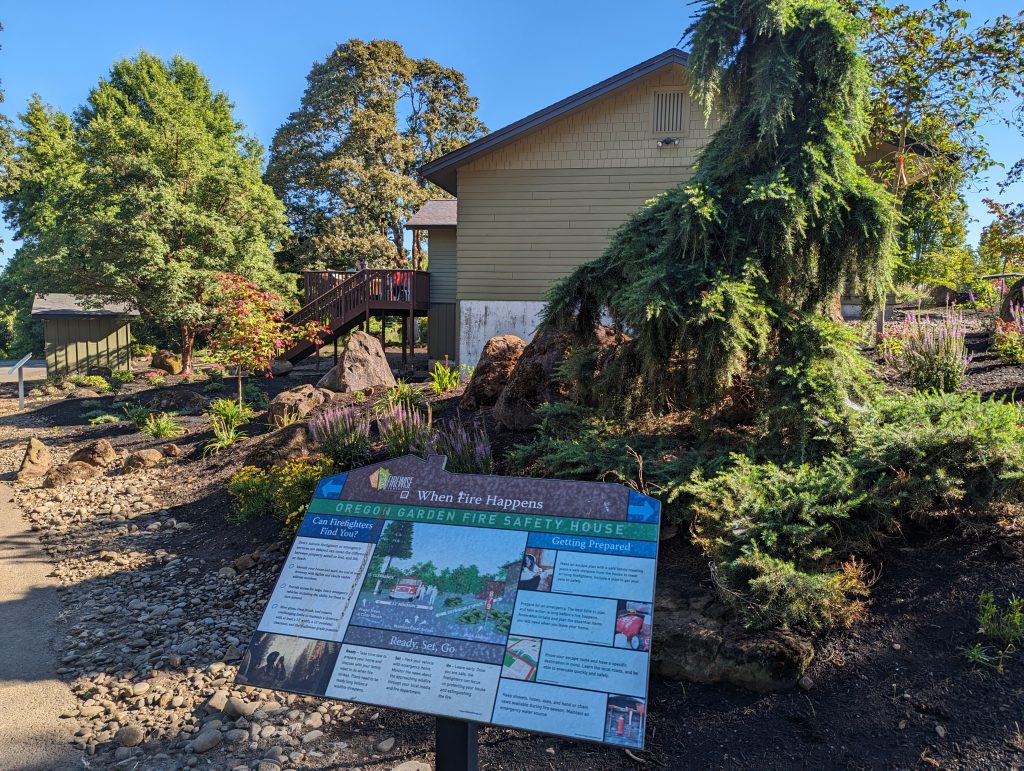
(31, 696)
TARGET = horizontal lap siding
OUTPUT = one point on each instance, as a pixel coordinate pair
(516, 248)
(441, 264)
(532, 211)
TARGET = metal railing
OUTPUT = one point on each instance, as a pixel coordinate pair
(19, 368)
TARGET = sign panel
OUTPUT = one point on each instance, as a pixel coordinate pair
(520, 602)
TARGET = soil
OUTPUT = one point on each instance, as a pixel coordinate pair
(986, 373)
(896, 691)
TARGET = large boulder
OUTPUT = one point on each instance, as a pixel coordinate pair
(167, 361)
(492, 372)
(280, 367)
(361, 365)
(299, 401)
(533, 381)
(282, 445)
(99, 453)
(178, 400)
(73, 471)
(37, 460)
(698, 644)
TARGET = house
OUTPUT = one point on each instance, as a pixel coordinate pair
(535, 199)
(541, 196)
(80, 335)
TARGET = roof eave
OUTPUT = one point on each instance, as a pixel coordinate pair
(442, 171)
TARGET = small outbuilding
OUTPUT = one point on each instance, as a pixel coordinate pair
(79, 334)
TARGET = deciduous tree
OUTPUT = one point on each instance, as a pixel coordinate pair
(148, 194)
(345, 163)
(248, 330)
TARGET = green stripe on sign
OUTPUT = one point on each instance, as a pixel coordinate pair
(537, 523)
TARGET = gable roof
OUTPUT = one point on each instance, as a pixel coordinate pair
(56, 304)
(441, 171)
(435, 213)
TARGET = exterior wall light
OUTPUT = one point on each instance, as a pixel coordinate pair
(668, 142)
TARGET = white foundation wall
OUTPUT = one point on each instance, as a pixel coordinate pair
(480, 320)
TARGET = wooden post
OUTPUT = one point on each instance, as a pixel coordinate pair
(405, 340)
(335, 349)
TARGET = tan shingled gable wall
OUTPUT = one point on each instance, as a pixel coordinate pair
(533, 210)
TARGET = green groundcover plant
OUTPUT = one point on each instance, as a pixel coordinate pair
(787, 539)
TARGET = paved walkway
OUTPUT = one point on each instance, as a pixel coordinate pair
(32, 736)
(35, 369)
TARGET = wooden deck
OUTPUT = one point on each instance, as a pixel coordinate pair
(343, 301)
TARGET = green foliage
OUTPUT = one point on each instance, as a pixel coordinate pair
(249, 330)
(405, 430)
(120, 378)
(142, 350)
(444, 379)
(777, 220)
(230, 412)
(468, 449)
(937, 78)
(1003, 631)
(162, 426)
(252, 494)
(281, 491)
(213, 387)
(103, 418)
(144, 196)
(811, 384)
(93, 382)
(1008, 341)
(255, 396)
(934, 354)
(343, 436)
(405, 394)
(346, 162)
(137, 414)
(780, 534)
(225, 434)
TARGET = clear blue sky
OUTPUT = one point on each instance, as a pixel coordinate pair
(517, 57)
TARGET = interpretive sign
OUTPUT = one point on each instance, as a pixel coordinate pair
(520, 602)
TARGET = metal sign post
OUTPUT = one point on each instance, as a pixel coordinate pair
(21, 379)
(455, 745)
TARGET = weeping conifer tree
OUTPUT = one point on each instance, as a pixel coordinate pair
(732, 273)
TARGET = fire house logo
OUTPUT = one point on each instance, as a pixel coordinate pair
(382, 479)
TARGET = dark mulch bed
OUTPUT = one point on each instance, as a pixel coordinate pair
(894, 692)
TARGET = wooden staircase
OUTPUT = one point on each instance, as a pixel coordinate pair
(343, 301)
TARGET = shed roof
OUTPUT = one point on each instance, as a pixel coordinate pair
(55, 304)
(441, 171)
(435, 213)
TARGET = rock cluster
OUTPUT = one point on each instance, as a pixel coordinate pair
(156, 627)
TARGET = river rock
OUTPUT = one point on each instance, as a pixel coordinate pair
(177, 399)
(129, 736)
(207, 740)
(361, 365)
(280, 367)
(282, 445)
(143, 459)
(167, 361)
(700, 647)
(99, 453)
(492, 372)
(66, 473)
(37, 460)
(299, 402)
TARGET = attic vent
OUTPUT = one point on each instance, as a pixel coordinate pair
(669, 111)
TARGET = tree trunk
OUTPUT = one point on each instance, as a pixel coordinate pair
(238, 377)
(188, 339)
